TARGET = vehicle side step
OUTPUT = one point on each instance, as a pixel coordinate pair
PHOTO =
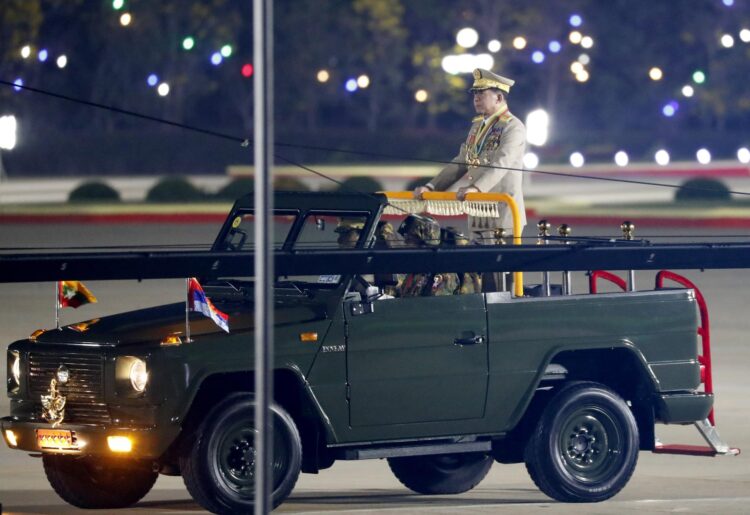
(716, 447)
(413, 450)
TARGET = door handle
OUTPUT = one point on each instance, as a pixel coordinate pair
(470, 340)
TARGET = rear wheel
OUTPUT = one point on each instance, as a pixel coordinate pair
(219, 468)
(585, 446)
(441, 474)
(88, 482)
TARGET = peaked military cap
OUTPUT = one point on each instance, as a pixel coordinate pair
(485, 79)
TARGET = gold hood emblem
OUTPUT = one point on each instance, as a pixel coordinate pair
(53, 405)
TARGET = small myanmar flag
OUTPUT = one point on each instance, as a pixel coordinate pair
(73, 294)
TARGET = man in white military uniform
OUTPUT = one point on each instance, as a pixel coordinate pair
(491, 157)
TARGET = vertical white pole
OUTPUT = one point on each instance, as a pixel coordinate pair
(57, 304)
(264, 277)
(187, 310)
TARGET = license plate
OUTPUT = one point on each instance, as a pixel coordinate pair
(55, 439)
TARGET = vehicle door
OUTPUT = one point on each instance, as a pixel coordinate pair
(416, 359)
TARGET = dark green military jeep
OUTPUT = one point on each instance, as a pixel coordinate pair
(441, 386)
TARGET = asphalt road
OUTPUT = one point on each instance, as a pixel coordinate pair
(660, 484)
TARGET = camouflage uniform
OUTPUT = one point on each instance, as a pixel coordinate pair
(425, 231)
(386, 238)
(468, 282)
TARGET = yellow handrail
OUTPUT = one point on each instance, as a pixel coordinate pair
(481, 197)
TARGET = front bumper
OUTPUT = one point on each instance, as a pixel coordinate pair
(149, 443)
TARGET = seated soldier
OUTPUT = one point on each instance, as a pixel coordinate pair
(468, 282)
(424, 231)
(349, 231)
(386, 238)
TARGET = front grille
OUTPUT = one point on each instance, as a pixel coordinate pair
(84, 391)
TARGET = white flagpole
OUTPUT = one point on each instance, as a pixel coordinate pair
(57, 305)
(187, 310)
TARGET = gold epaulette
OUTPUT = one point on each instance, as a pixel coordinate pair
(506, 117)
(477, 119)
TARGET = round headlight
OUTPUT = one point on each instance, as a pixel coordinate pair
(138, 375)
(16, 368)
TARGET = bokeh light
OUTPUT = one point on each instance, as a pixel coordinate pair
(587, 42)
(537, 56)
(703, 156)
(466, 63)
(17, 84)
(621, 158)
(62, 61)
(323, 76)
(743, 155)
(26, 51)
(575, 37)
(226, 50)
(8, 129)
(216, 58)
(584, 59)
(577, 160)
(421, 95)
(655, 74)
(43, 55)
(699, 77)
(688, 91)
(577, 67)
(670, 108)
(728, 3)
(125, 19)
(117, 4)
(537, 127)
(351, 85)
(661, 157)
(163, 89)
(152, 79)
(519, 42)
(494, 46)
(188, 43)
(582, 76)
(727, 41)
(745, 35)
(363, 81)
(554, 46)
(530, 160)
(247, 70)
(467, 37)
(575, 20)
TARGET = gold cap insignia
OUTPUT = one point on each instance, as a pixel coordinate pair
(485, 79)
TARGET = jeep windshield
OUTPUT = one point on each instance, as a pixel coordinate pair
(316, 230)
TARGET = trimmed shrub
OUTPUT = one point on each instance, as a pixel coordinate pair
(174, 189)
(361, 184)
(702, 188)
(236, 188)
(94, 191)
(289, 184)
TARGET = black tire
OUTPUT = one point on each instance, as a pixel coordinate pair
(218, 468)
(442, 473)
(97, 483)
(585, 446)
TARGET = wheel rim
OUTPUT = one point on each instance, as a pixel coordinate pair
(237, 453)
(591, 444)
(236, 458)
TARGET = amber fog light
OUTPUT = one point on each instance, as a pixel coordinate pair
(119, 444)
(10, 436)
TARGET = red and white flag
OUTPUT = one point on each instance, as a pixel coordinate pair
(197, 301)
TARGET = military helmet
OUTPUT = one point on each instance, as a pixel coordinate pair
(452, 237)
(422, 227)
(350, 224)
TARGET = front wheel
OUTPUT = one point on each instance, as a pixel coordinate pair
(219, 469)
(585, 446)
(88, 482)
(441, 474)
